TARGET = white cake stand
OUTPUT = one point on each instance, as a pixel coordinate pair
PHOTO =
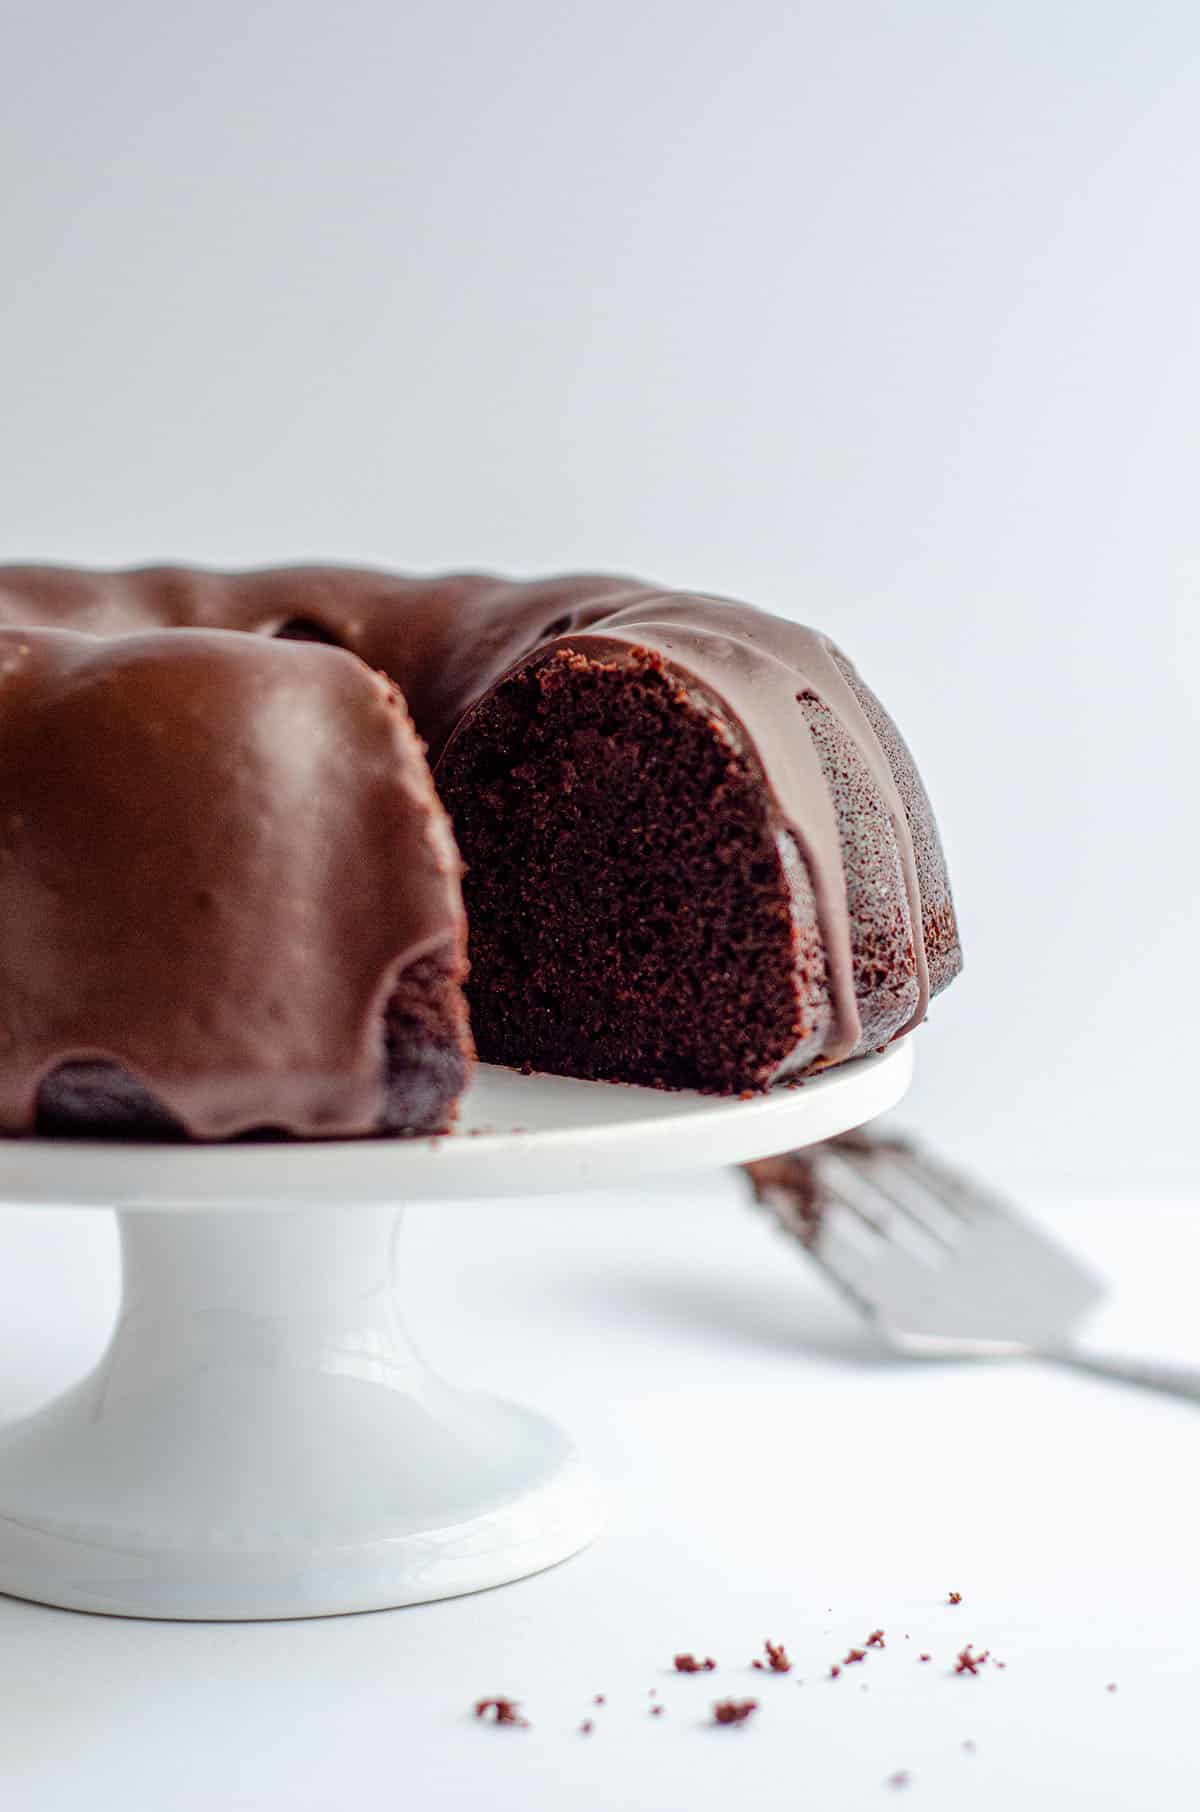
(260, 1438)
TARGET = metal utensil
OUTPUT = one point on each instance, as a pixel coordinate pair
(940, 1265)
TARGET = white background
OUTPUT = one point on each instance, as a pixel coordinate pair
(881, 315)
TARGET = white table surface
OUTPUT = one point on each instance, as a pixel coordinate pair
(770, 1475)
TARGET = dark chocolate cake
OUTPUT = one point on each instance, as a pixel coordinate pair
(698, 852)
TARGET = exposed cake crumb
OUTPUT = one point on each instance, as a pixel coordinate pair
(853, 1655)
(1111, 1687)
(954, 1598)
(503, 1711)
(587, 1727)
(875, 1640)
(777, 1659)
(656, 1711)
(924, 1657)
(599, 1699)
(834, 1671)
(733, 1711)
(688, 1664)
(967, 1662)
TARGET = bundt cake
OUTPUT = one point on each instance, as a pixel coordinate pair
(697, 851)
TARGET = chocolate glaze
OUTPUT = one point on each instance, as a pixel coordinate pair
(272, 801)
(443, 641)
(835, 765)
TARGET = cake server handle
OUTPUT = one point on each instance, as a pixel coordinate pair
(1147, 1374)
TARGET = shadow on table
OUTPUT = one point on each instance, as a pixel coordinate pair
(730, 1312)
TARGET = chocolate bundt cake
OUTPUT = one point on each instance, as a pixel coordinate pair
(698, 853)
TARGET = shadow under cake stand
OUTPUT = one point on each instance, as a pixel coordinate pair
(260, 1438)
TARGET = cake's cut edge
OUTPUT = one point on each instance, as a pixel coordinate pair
(636, 910)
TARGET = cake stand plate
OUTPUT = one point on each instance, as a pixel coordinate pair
(260, 1438)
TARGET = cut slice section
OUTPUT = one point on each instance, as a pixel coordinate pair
(637, 910)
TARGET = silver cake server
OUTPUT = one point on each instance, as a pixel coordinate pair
(939, 1264)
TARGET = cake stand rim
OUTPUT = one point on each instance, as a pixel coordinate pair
(654, 1133)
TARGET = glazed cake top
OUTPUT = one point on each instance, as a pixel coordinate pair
(272, 802)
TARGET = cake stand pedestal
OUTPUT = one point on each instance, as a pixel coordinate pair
(260, 1439)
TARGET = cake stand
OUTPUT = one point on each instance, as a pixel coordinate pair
(260, 1438)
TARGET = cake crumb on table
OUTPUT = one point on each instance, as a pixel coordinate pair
(688, 1664)
(777, 1659)
(733, 1711)
(954, 1598)
(503, 1711)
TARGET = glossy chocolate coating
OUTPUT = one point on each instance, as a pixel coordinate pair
(217, 853)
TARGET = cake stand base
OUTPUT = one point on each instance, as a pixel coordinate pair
(262, 1440)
